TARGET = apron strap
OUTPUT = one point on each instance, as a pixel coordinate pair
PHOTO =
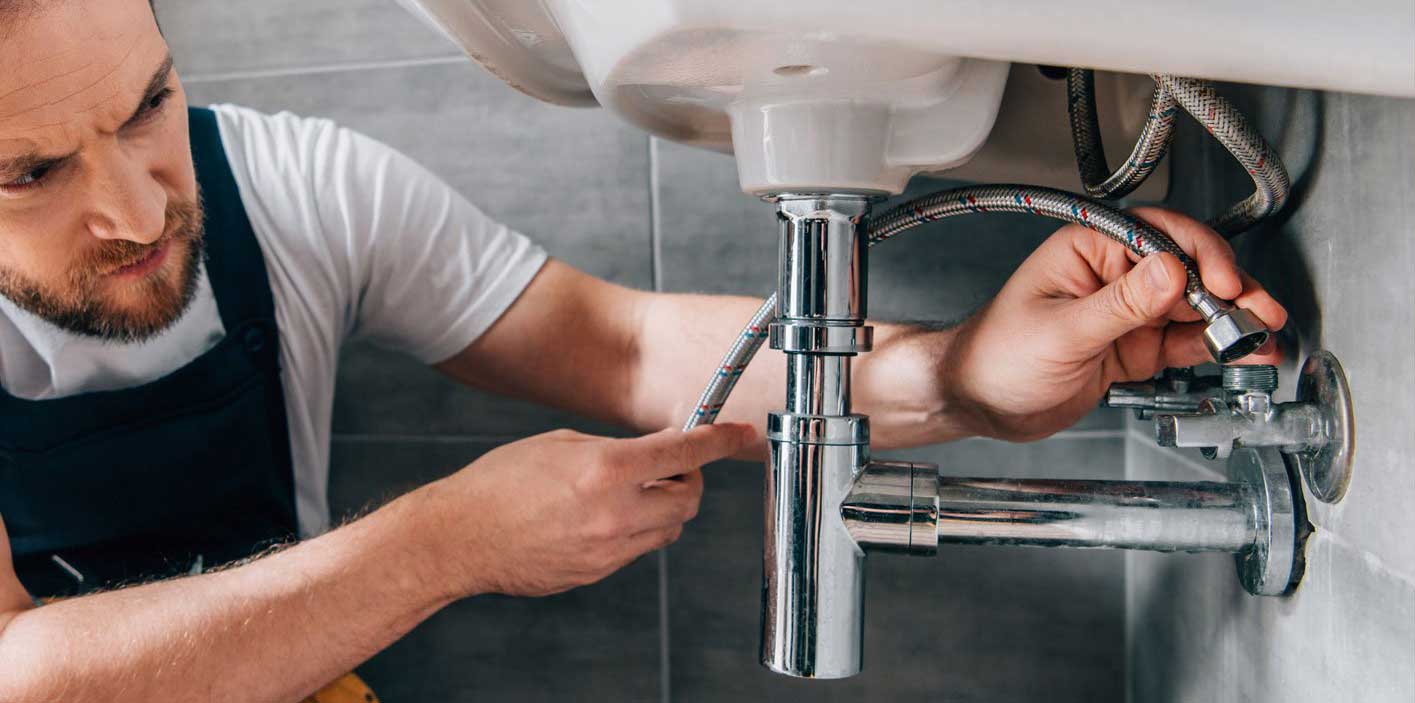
(240, 283)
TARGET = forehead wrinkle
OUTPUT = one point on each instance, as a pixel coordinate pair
(51, 103)
(59, 53)
(55, 77)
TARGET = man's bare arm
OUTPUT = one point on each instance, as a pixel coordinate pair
(639, 360)
(279, 628)
(1077, 316)
(275, 629)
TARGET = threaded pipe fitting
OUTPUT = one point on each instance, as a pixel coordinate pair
(1250, 377)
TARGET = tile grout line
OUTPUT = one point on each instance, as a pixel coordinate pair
(655, 220)
(665, 679)
(361, 437)
(314, 69)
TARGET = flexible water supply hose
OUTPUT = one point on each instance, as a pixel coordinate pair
(1271, 184)
(1135, 234)
(1149, 150)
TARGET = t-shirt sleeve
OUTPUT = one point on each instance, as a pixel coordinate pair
(424, 271)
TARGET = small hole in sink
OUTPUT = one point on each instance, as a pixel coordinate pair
(799, 69)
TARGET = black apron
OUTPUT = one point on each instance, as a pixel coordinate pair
(114, 487)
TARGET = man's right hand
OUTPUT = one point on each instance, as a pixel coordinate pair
(563, 509)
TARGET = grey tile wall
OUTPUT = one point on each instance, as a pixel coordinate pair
(262, 36)
(1342, 258)
(973, 624)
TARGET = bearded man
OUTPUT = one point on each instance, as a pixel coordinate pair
(177, 283)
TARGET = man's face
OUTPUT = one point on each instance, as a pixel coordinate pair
(100, 223)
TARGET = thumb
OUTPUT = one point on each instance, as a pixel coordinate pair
(1145, 294)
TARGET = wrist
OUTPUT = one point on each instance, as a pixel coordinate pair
(412, 539)
(906, 385)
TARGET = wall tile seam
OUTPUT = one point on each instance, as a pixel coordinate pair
(665, 672)
(317, 69)
(1127, 575)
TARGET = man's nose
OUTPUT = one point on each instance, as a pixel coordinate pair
(127, 201)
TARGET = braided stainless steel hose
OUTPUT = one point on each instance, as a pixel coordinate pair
(1149, 150)
(1232, 332)
(732, 366)
(1271, 185)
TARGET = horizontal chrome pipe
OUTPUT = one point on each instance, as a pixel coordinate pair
(1159, 516)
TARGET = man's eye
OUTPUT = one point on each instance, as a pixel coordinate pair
(30, 179)
(155, 102)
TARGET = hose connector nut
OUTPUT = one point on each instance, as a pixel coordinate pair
(1233, 334)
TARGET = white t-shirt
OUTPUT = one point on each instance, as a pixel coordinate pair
(359, 242)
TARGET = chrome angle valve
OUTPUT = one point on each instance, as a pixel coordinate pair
(1314, 432)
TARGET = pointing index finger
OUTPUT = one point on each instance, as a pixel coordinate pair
(672, 452)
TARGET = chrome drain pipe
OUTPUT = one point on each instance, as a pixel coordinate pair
(812, 570)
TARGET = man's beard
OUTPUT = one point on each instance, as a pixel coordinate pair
(82, 309)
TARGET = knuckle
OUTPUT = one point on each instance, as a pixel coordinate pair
(1128, 302)
(597, 530)
(604, 466)
(588, 482)
(561, 434)
(667, 457)
(606, 527)
(603, 531)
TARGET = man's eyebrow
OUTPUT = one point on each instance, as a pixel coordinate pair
(155, 85)
(13, 168)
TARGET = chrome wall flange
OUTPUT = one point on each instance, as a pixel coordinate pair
(1327, 468)
(1273, 564)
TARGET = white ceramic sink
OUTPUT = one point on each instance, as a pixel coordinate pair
(859, 96)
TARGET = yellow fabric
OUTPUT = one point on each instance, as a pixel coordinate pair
(348, 689)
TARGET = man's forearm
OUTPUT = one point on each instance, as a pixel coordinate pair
(683, 337)
(275, 629)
